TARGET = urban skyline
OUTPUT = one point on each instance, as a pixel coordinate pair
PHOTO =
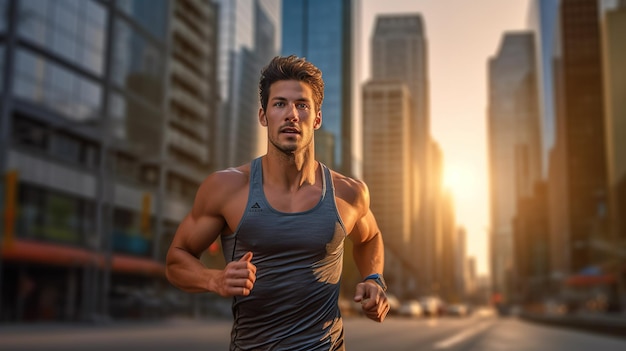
(460, 43)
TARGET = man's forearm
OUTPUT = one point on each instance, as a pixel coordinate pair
(187, 273)
(369, 256)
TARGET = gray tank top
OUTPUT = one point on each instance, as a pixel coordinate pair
(299, 258)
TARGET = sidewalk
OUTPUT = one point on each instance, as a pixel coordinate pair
(608, 324)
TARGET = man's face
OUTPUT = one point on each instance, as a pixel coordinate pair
(291, 116)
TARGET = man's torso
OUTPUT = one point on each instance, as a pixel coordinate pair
(299, 258)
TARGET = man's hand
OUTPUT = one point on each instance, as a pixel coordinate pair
(238, 277)
(373, 300)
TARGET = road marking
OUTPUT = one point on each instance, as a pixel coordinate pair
(466, 334)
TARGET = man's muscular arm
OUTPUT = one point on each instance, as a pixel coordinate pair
(198, 230)
(369, 257)
(368, 246)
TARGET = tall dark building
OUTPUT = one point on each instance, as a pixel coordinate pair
(614, 31)
(581, 135)
(321, 31)
(531, 247)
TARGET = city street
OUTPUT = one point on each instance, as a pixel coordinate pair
(480, 332)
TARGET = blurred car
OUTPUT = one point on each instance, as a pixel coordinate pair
(554, 307)
(457, 310)
(432, 305)
(394, 304)
(411, 308)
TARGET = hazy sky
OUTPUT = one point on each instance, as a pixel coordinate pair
(462, 35)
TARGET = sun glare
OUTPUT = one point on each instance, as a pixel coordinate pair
(461, 181)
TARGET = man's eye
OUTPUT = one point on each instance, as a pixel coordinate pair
(303, 106)
(279, 104)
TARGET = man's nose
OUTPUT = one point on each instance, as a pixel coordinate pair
(294, 114)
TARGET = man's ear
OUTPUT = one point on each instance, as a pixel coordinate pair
(262, 117)
(318, 121)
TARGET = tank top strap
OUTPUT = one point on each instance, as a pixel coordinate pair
(256, 176)
(329, 187)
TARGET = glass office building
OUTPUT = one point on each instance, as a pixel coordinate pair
(105, 130)
(247, 43)
(321, 31)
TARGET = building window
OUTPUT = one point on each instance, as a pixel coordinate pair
(69, 94)
(181, 187)
(4, 7)
(150, 175)
(66, 147)
(29, 133)
(1, 62)
(126, 235)
(90, 155)
(138, 123)
(138, 64)
(150, 14)
(72, 29)
(50, 216)
(125, 166)
(62, 219)
(31, 214)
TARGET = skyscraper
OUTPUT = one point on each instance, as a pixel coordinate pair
(614, 55)
(580, 136)
(247, 42)
(321, 31)
(399, 53)
(387, 113)
(543, 20)
(514, 145)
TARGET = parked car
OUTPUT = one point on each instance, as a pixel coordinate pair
(432, 305)
(457, 310)
(394, 304)
(411, 308)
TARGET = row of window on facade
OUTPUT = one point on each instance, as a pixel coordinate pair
(48, 215)
(40, 139)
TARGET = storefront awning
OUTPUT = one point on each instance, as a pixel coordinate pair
(47, 253)
(582, 280)
(63, 255)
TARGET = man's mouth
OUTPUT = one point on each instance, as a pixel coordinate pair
(290, 130)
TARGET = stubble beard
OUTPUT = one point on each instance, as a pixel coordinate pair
(287, 149)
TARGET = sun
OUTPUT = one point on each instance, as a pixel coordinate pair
(461, 180)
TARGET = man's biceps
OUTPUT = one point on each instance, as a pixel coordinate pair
(209, 229)
(360, 232)
(368, 225)
(198, 233)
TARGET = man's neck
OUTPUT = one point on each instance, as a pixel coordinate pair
(290, 171)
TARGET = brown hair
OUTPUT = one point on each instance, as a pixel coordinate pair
(291, 68)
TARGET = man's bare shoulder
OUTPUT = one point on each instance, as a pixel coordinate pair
(220, 185)
(351, 190)
(228, 179)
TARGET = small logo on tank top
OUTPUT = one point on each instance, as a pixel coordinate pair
(255, 208)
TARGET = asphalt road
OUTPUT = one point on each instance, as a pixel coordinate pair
(481, 332)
